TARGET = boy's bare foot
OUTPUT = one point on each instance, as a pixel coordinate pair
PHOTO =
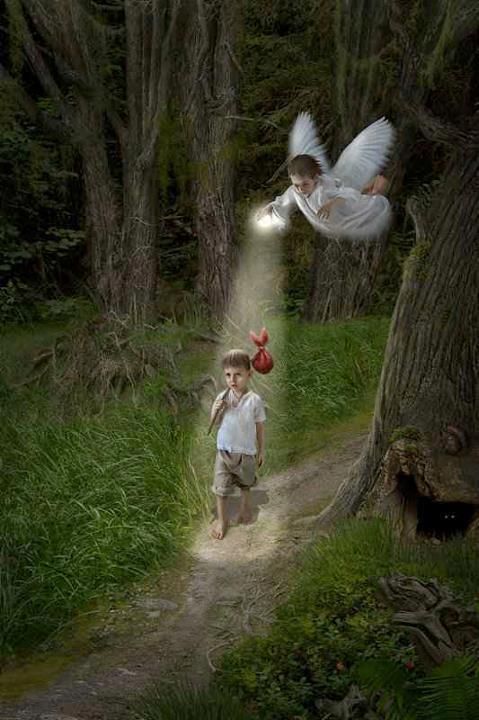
(218, 530)
(243, 517)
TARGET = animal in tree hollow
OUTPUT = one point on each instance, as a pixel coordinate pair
(345, 200)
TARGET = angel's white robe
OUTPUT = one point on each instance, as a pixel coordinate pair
(358, 216)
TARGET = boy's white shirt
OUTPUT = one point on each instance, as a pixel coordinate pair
(237, 431)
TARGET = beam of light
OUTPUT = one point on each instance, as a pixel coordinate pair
(255, 302)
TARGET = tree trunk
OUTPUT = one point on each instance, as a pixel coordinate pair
(342, 279)
(361, 37)
(343, 274)
(122, 226)
(140, 231)
(214, 104)
(429, 376)
(102, 211)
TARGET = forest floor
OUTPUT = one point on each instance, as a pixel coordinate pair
(176, 630)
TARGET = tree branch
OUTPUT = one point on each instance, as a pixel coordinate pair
(234, 59)
(28, 105)
(165, 59)
(440, 131)
(417, 216)
(134, 26)
(46, 79)
(161, 93)
(263, 121)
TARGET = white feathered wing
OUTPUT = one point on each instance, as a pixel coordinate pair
(303, 141)
(366, 155)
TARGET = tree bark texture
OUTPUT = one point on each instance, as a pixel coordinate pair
(361, 36)
(430, 373)
(343, 274)
(102, 209)
(386, 62)
(121, 220)
(342, 279)
(213, 104)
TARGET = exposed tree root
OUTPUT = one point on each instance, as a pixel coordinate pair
(108, 357)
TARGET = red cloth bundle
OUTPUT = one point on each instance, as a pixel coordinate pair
(262, 360)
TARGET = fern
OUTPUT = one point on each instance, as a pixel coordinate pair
(449, 692)
(397, 694)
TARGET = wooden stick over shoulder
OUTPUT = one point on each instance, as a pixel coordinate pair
(215, 416)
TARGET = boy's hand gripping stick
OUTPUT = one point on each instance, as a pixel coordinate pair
(261, 361)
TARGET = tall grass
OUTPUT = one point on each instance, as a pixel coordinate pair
(362, 550)
(94, 503)
(328, 374)
(87, 508)
(188, 703)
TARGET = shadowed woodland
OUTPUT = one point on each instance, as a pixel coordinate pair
(136, 140)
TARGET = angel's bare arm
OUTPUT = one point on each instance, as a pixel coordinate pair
(377, 186)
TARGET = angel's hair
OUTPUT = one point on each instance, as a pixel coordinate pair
(236, 359)
(304, 165)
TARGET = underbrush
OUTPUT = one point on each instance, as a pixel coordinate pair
(334, 621)
(333, 632)
(92, 501)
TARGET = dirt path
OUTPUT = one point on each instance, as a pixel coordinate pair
(180, 629)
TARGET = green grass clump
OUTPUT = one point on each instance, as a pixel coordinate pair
(326, 374)
(334, 620)
(87, 508)
(189, 703)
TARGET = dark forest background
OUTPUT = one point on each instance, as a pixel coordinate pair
(134, 138)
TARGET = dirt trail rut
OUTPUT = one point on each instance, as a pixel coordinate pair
(178, 632)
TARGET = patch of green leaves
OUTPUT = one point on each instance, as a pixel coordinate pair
(334, 621)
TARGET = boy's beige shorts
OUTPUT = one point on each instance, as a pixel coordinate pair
(233, 470)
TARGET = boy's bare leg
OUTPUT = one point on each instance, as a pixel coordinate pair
(219, 528)
(245, 514)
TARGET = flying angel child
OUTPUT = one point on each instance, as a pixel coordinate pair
(343, 201)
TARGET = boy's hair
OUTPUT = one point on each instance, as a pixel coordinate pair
(304, 165)
(236, 359)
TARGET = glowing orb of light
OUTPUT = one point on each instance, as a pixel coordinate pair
(267, 223)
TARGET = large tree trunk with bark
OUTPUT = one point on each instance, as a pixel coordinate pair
(102, 209)
(140, 232)
(213, 104)
(385, 63)
(343, 274)
(429, 380)
(121, 222)
(342, 279)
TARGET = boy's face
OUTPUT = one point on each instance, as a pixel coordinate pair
(304, 184)
(237, 379)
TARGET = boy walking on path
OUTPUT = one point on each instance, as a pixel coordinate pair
(240, 441)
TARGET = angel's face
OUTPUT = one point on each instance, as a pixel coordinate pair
(304, 184)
